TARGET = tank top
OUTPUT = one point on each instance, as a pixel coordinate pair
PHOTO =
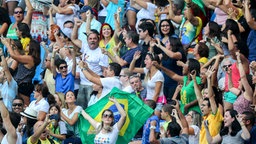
(11, 33)
(19, 139)
(24, 75)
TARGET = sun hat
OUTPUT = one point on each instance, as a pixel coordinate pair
(29, 113)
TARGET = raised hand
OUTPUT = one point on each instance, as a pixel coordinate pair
(193, 74)
(88, 13)
(180, 63)
(112, 99)
(136, 55)
(209, 72)
(78, 22)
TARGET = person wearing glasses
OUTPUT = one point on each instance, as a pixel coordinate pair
(64, 80)
(19, 17)
(107, 129)
(17, 105)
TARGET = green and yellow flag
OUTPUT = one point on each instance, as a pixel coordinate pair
(137, 114)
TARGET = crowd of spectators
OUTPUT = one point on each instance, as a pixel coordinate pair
(192, 61)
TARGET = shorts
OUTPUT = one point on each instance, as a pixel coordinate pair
(26, 88)
(230, 97)
(131, 8)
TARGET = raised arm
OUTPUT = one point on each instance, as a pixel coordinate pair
(88, 22)
(120, 109)
(171, 15)
(141, 3)
(170, 53)
(73, 53)
(74, 34)
(35, 137)
(53, 66)
(5, 67)
(247, 14)
(248, 89)
(11, 131)
(117, 25)
(50, 16)
(170, 73)
(197, 90)
(28, 17)
(192, 19)
(25, 59)
(132, 68)
(65, 11)
(211, 95)
(184, 123)
(93, 122)
(245, 133)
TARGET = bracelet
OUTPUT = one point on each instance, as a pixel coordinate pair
(84, 69)
(152, 127)
(115, 55)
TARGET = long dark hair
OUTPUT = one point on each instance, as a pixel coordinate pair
(171, 32)
(24, 29)
(193, 64)
(58, 108)
(235, 126)
(233, 26)
(214, 29)
(34, 51)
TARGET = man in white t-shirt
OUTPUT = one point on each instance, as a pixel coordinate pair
(96, 61)
(110, 81)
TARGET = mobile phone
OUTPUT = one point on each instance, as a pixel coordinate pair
(54, 116)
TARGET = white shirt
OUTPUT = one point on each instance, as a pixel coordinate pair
(108, 84)
(107, 138)
(146, 13)
(151, 83)
(42, 105)
(95, 60)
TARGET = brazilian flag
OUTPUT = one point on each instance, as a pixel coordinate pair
(137, 114)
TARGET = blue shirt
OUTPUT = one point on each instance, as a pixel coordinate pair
(146, 128)
(66, 84)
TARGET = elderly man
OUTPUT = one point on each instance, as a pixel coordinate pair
(96, 61)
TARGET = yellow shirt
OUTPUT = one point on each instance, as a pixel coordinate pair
(109, 46)
(203, 60)
(214, 122)
(42, 141)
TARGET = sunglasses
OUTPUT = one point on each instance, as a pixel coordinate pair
(47, 60)
(18, 12)
(61, 68)
(17, 104)
(224, 66)
(140, 31)
(107, 116)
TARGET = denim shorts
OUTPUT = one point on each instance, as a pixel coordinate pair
(131, 8)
